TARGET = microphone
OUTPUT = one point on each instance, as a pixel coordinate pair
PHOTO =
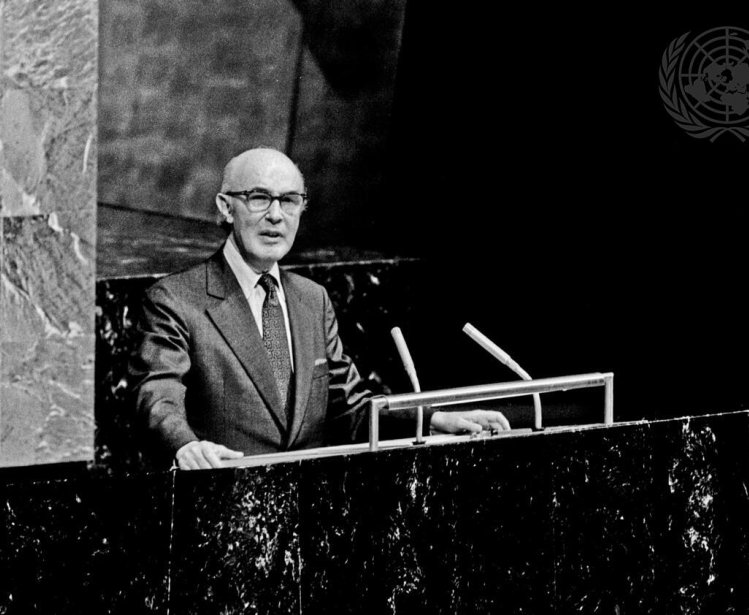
(408, 365)
(507, 360)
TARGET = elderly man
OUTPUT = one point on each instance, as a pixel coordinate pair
(238, 357)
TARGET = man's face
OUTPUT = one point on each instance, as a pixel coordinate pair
(264, 238)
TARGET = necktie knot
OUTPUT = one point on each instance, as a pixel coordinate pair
(268, 283)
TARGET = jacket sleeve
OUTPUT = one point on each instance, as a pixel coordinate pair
(349, 396)
(158, 367)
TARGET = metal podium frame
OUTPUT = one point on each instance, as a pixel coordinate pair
(445, 397)
(485, 392)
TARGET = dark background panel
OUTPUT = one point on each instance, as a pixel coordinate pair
(537, 167)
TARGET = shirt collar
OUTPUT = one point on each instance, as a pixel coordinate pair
(246, 275)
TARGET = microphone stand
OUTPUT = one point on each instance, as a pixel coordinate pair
(505, 359)
(408, 365)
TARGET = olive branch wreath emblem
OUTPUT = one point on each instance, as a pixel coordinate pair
(675, 105)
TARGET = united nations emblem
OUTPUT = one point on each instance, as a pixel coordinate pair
(704, 85)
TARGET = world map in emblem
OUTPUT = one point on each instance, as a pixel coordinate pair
(714, 76)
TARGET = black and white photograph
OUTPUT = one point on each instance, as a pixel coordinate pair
(373, 307)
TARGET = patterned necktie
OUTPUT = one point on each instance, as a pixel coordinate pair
(275, 341)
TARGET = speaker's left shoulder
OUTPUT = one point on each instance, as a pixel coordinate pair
(303, 286)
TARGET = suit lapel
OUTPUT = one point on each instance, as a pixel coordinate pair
(233, 318)
(302, 338)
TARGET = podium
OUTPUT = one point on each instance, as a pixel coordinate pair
(636, 517)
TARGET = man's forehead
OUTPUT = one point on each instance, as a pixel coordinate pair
(264, 167)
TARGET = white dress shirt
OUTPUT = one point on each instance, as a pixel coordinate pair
(254, 293)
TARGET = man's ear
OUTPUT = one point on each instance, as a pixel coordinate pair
(224, 208)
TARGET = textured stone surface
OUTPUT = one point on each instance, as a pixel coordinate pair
(46, 374)
(235, 541)
(498, 529)
(47, 208)
(604, 515)
(50, 43)
(731, 509)
(134, 244)
(24, 161)
(691, 506)
(85, 545)
(433, 530)
(48, 128)
(49, 156)
(702, 477)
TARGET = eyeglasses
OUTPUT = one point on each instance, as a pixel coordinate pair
(260, 200)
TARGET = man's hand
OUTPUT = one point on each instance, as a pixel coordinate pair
(471, 421)
(204, 455)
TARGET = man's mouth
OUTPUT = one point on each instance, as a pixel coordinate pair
(271, 234)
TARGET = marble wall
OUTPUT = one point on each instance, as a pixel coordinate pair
(48, 228)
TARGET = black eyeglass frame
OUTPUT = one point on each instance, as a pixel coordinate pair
(245, 195)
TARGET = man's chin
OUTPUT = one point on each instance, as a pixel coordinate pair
(271, 255)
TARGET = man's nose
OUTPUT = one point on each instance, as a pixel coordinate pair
(274, 212)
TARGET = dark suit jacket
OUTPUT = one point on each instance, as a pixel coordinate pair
(202, 372)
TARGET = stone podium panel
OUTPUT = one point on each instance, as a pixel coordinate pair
(78, 541)
(646, 517)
